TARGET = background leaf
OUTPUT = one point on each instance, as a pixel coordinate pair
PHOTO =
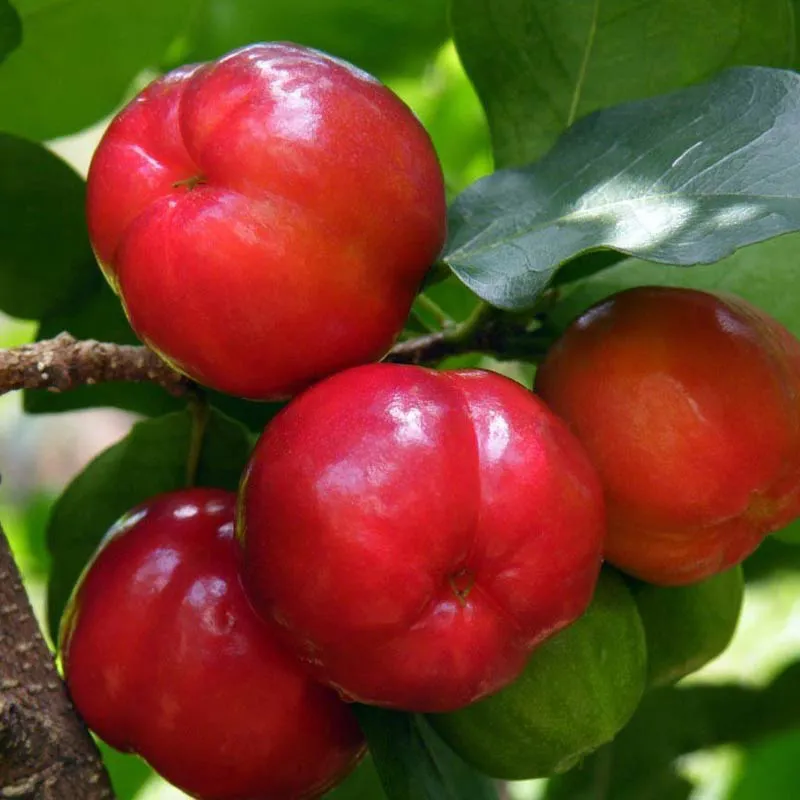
(378, 36)
(561, 61)
(361, 784)
(414, 764)
(685, 178)
(10, 29)
(45, 258)
(78, 59)
(150, 460)
(761, 273)
(770, 769)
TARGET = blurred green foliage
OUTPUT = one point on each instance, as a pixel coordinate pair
(537, 66)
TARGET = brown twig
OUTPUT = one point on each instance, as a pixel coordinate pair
(46, 752)
(65, 363)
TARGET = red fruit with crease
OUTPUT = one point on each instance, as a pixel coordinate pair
(417, 533)
(688, 404)
(164, 656)
(266, 218)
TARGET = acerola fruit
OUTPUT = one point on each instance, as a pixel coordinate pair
(266, 218)
(687, 403)
(417, 533)
(164, 656)
(688, 626)
(576, 692)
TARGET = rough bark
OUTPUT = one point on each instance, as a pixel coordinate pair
(46, 752)
(64, 363)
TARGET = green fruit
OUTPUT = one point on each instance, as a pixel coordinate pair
(688, 626)
(576, 692)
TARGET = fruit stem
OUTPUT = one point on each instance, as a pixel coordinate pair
(466, 328)
(200, 411)
(424, 303)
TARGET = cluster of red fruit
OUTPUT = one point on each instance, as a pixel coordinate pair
(402, 537)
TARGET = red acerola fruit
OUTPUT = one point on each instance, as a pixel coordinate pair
(688, 404)
(417, 533)
(164, 656)
(266, 218)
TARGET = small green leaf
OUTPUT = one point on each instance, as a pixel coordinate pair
(414, 764)
(150, 460)
(45, 258)
(78, 59)
(686, 178)
(383, 38)
(539, 66)
(10, 29)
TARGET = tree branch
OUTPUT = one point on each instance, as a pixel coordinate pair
(65, 363)
(46, 753)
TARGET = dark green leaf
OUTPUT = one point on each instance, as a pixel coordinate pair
(45, 258)
(362, 784)
(538, 65)
(672, 722)
(99, 316)
(414, 764)
(378, 36)
(686, 178)
(78, 59)
(770, 769)
(10, 29)
(150, 460)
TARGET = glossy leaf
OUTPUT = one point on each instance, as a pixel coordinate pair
(378, 36)
(685, 178)
(538, 65)
(414, 764)
(45, 258)
(78, 59)
(150, 460)
(10, 29)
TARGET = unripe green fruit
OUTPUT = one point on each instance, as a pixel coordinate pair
(578, 690)
(688, 626)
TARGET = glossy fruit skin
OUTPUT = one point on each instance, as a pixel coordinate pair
(266, 218)
(688, 405)
(164, 656)
(688, 626)
(576, 693)
(416, 533)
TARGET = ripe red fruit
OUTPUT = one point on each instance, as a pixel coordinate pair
(278, 205)
(687, 404)
(164, 656)
(418, 533)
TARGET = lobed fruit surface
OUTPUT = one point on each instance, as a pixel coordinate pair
(266, 218)
(163, 656)
(417, 533)
(576, 693)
